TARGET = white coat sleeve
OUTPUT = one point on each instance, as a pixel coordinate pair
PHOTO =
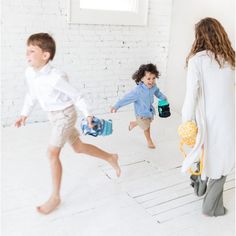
(191, 96)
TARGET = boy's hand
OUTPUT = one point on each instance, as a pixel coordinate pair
(90, 119)
(20, 121)
(113, 110)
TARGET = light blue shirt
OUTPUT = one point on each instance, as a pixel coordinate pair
(143, 98)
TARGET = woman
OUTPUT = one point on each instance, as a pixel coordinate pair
(209, 101)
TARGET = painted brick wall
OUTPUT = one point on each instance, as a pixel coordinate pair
(99, 59)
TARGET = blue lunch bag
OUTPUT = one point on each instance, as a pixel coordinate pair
(101, 127)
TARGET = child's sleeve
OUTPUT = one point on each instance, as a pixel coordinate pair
(189, 106)
(160, 95)
(29, 104)
(30, 99)
(64, 86)
(127, 99)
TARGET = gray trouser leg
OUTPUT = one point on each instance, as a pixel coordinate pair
(213, 200)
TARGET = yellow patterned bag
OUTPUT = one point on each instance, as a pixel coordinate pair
(188, 133)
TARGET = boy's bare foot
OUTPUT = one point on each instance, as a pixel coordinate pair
(151, 145)
(131, 125)
(115, 165)
(49, 206)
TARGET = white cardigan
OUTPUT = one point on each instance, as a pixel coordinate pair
(210, 101)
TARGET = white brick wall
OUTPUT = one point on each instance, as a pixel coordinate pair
(99, 59)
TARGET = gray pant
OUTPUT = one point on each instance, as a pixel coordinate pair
(213, 200)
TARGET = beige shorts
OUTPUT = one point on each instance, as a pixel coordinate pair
(63, 126)
(144, 123)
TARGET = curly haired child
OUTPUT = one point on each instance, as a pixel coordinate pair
(143, 97)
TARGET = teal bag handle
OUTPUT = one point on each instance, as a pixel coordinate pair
(163, 103)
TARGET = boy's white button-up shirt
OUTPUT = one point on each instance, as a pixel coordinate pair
(50, 87)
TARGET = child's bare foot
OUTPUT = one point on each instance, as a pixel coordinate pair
(132, 124)
(49, 206)
(151, 145)
(115, 165)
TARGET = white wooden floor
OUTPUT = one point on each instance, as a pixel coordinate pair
(151, 197)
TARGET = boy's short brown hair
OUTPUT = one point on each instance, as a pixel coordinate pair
(44, 41)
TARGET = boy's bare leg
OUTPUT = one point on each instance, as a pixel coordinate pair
(148, 137)
(132, 125)
(92, 150)
(56, 171)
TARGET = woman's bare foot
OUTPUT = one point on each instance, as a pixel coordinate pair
(151, 145)
(49, 206)
(132, 124)
(114, 163)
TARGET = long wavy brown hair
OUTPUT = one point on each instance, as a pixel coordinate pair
(211, 36)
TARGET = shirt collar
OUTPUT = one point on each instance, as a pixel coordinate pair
(44, 70)
(143, 85)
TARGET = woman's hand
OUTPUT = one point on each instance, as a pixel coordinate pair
(20, 121)
(113, 110)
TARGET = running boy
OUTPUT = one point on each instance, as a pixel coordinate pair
(51, 89)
